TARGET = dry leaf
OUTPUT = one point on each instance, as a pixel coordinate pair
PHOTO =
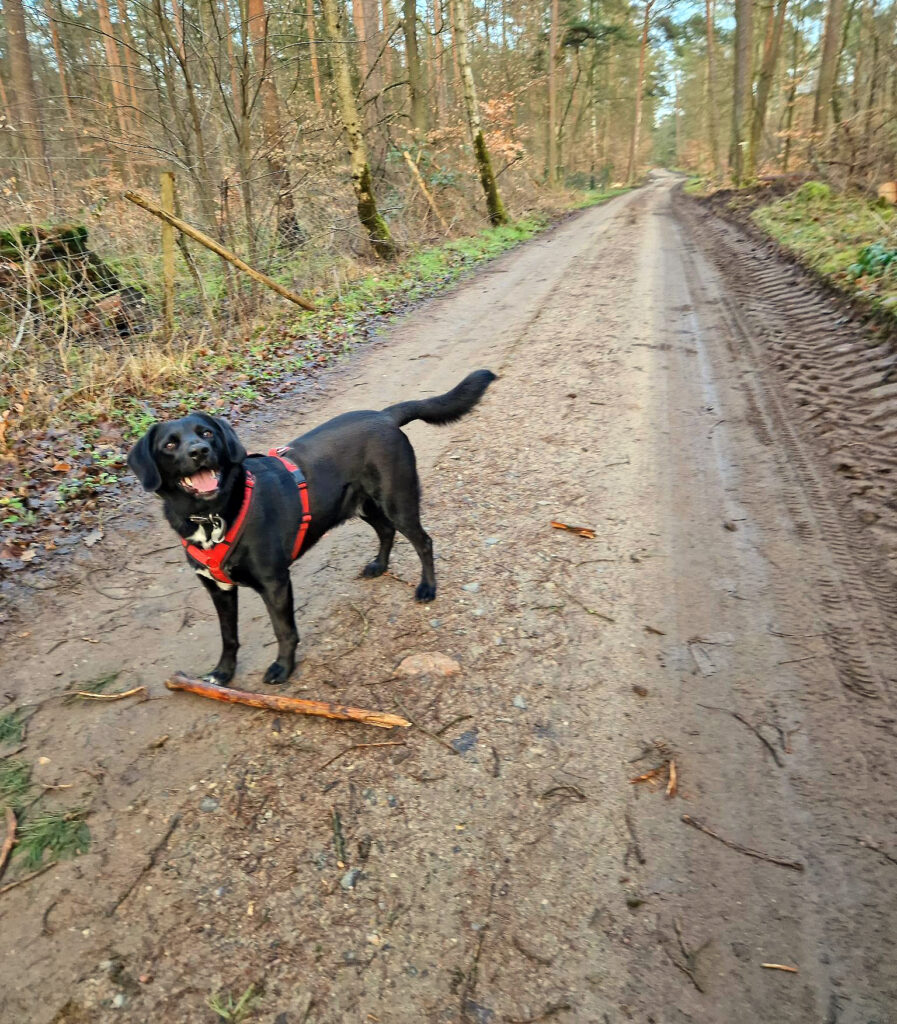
(62, 467)
(651, 775)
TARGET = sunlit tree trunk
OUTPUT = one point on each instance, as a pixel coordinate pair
(710, 93)
(26, 105)
(60, 63)
(313, 54)
(371, 220)
(494, 204)
(775, 24)
(828, 66)
(127, 41)
(552, 168)
(415, 78)
(635, 141)
(742, 95)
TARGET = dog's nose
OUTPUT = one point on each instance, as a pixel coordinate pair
(198, 451)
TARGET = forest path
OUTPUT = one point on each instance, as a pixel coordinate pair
(731, 616)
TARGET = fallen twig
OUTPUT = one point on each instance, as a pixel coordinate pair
(573, 792)
(672, 785)
(691, 957)
(747, 724)
(586, 608)
(173, 823)
(795, 865)
(780, 967)
(324, 709)
(428, 732)
(634, 846)
(10, 841)
(651, 775)
(549, 1011)
(108, 696)
(870, 845)
(27, 878)
(358, 746)
(339, 842)
(586, 532)
(518, 944)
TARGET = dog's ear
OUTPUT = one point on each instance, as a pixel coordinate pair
(142, 461)
(236, 453)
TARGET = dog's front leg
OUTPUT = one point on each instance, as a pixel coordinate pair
(225, 602)
(278, 598)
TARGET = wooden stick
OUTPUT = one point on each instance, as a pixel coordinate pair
(217, 248)
(325, 709)
(581, 531)
(10, 841)
(27, 878)
(795, 865)
(167, 187)
(422, 185)
(780, 967)
(108, 696)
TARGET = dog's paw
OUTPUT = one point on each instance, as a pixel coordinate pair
(217, 678)
(425, 593)
(276, 674)
(373, 569)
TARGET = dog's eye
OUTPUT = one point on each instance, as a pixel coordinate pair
(169, 445)
(206, 433)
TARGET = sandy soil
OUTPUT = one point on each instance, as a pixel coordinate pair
(734, 614)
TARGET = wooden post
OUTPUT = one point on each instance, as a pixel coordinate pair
(219, 250)
(166, 179)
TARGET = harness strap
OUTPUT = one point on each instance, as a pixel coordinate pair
(214, 558)
(302, 484)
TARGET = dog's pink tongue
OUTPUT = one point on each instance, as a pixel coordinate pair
(205, 480)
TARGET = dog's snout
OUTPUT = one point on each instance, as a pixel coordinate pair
(198, 451)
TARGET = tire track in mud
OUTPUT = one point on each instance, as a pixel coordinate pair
(798, 337)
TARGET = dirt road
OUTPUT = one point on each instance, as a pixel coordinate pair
(734, 615)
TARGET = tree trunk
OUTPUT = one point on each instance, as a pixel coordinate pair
(313, 55)
(127, 41)
(26, 106)
(710, 93)
(742, 94)
(371, 220)
(494, 204)
(119, 99)
(775, 24)
(361, 36)
(552, 168)
(439, 59)
(60, 63)
(271, 126)
(828, 65)
(639, 89)
(415, 79)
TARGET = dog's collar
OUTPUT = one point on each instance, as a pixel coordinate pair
(215, 557)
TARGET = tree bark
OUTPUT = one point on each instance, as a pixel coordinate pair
(710, 97)
(313, 55)
(775, 24)
(127, 41)
(828, 65)
(497, 214)
(742, 93)
(415, 78)
(368, 214)
(114, 68)
(26, 105)
(60, 63)
(639, 89)
(552, 168)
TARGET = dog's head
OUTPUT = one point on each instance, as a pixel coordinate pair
(191, 455)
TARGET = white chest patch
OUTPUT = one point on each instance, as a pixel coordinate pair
(218, 583)
(205, 536)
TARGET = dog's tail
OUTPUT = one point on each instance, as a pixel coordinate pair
(444, 408)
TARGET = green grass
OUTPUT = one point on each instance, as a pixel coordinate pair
(594, 197)
(843, 236)
(15, 784)
(57, 835)
(12, 726)
(233, 1011)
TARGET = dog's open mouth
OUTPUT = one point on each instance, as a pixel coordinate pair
(203, 483)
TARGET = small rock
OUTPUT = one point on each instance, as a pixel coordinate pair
(478, 612)
(730, 526)
(471, 588)
(118, 1000)
(435, 623)
(466, 741)
(347, 882)
(208, 803)
(640, 691)
(492, 541)
(428, 662)
(519, 702)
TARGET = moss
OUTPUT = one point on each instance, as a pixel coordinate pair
(830, 232)
(497, 215)
(370, 217)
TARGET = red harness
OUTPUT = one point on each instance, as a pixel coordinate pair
(213, 558)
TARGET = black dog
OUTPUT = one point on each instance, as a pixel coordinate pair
(244, 518)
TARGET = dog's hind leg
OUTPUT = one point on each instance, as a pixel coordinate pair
(225, 602)
(407, 522)
(373, 515)
(278, 598)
